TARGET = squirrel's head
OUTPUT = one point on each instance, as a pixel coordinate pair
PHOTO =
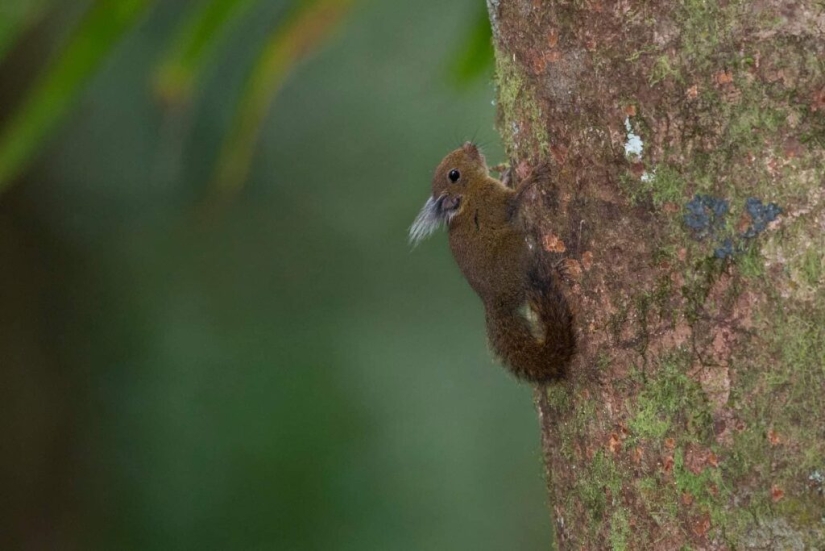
(455, 178)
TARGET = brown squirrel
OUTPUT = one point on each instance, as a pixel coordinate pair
(529, 323)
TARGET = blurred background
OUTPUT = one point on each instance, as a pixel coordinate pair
(213, 332)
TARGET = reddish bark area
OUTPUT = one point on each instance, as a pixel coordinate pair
(686, 140)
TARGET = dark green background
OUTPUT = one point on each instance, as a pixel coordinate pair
(280, 373)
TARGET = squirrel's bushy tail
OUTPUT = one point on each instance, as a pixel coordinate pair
(538, 340)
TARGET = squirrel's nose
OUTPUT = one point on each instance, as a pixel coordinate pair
(450, 203)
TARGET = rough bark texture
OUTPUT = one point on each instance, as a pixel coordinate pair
(687, 140)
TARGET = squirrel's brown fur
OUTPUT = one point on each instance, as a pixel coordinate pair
(529, 323)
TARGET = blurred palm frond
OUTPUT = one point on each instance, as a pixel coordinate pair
(106, 22)
(54, 92)
(306, 28)
(198, 37)
(16, 17)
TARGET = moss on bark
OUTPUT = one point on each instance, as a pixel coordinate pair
(687, 141)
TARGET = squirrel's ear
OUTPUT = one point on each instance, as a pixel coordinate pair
(471, 149)
(473, 152)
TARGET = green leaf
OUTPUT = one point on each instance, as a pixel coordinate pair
(16, 16)
(197, 39)
(55, 91)
(306, 28)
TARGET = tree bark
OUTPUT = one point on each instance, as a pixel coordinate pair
(686, 139)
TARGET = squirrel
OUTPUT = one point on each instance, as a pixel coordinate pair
(529, 322)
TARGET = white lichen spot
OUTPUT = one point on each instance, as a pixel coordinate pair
(779, 532)
(633, 146)
(649, 177)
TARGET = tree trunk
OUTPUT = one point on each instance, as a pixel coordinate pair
(687, 142)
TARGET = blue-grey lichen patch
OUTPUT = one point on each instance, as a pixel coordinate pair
(705, 217)
(725, 249)
(761, 215)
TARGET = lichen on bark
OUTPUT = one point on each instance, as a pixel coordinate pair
(693, 417)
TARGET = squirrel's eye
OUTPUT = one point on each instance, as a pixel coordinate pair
(454, 175)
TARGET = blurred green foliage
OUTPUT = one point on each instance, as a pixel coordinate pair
(304, 29)
(105, 24)
(475, 58)
(51, 96)
(204, 28)
(285, 374)
(16, 16)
